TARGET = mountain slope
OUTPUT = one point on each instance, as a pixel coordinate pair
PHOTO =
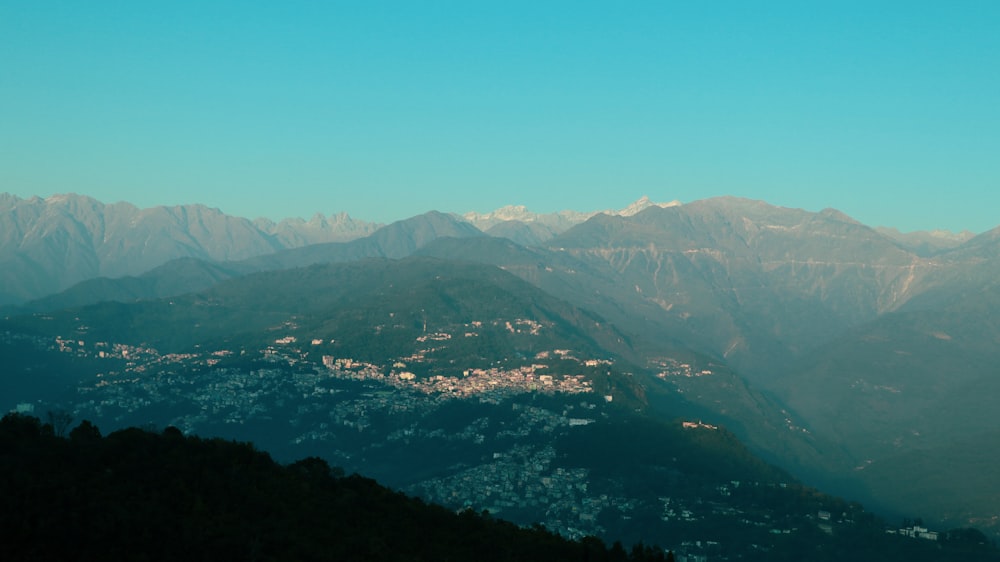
(722, 396)
(176, 277)
(911, 397)
(745, 280)
(325, 300)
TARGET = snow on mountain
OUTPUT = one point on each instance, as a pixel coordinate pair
(558, 221)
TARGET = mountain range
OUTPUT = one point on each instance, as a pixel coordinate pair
(858, 358)
(48, 245)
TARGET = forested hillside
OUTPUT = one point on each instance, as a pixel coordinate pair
(141, 495)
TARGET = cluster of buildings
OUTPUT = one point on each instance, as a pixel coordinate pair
(488, 385)
(915, 532)
(141, 376)
(523, 479)
(669, 367)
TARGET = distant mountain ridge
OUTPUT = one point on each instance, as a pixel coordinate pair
(528, 228)
(927, 243)
(184, 275)
(47, 245)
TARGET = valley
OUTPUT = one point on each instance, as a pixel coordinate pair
(646, 375)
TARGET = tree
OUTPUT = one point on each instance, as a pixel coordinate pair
(59, 420)
(85, 432)
(617, 552)
(19, 427)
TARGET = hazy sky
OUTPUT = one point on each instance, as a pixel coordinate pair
(888, 111)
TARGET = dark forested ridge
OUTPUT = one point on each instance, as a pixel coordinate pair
(144, 495)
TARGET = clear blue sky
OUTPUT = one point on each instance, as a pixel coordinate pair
(888, 111)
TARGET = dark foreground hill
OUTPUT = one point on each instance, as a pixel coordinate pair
(138, 495)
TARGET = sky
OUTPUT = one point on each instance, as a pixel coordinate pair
(887, 111)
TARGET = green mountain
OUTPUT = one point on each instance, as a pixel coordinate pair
(391, 299)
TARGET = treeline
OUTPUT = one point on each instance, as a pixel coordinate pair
(143, 495)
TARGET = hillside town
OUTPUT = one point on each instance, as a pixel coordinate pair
(514, 471)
